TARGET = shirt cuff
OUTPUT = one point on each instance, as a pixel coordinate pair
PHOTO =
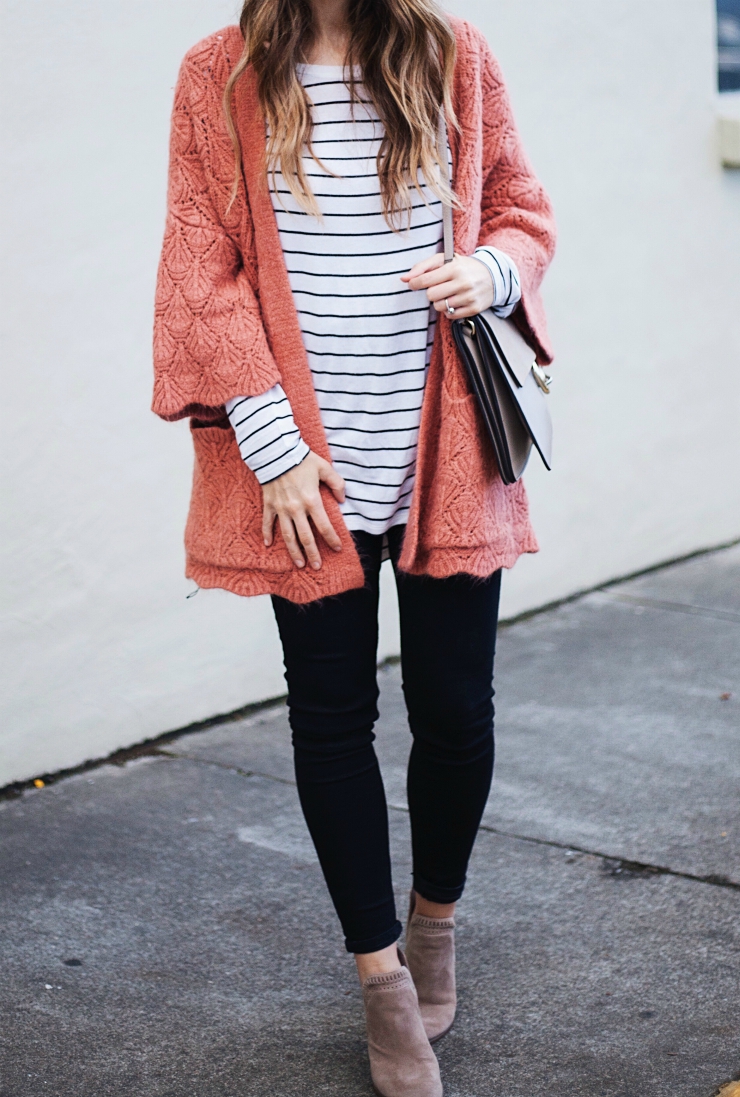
(268, 438)
(507, 288)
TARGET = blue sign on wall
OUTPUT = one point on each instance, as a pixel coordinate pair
(728, 43)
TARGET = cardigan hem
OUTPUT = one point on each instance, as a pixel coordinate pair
(297, 585)
(479, 562)
(303, 586)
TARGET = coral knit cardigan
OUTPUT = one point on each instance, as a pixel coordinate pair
(226, 326)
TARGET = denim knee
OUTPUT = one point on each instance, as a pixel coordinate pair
(456, 730)
(325, 758)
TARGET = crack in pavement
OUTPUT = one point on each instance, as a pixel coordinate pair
(621, 864)
(618, 865)
(675, 607)
(225, 765)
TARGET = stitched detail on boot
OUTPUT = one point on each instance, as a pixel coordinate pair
(423, 922)
(388, 979)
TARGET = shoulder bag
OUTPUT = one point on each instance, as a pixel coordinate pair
(511, 388)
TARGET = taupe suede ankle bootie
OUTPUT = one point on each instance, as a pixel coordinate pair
(430, 952)
(402, 1063)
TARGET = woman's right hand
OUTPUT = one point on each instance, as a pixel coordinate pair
(295, 500)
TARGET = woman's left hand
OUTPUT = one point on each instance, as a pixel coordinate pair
(465, 284)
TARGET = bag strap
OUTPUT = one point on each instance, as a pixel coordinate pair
(444, 171)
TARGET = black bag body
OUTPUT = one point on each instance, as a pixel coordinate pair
(510, 388)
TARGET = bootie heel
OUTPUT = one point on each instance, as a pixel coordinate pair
(402, 1063)
(430, 954)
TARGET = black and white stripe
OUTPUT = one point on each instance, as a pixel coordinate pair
(269, 441)
(368, 337)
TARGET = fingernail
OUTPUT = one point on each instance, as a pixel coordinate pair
(267, 544)
(316, 566)
(300, 564)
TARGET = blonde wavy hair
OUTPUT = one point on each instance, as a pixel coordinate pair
(405, 51)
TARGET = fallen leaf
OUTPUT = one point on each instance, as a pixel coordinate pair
(38, 783)
(725, 697)
(732, 1089)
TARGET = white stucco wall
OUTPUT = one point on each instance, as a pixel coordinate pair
(100, 648)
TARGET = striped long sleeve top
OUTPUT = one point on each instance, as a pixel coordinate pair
(368, 337)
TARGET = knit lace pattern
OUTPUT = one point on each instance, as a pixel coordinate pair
(226, 326)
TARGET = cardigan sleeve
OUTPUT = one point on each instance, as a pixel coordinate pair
(516, 214)
(209, 340)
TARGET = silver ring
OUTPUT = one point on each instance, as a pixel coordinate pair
(450, 310)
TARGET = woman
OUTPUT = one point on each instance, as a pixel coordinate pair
(302, 323)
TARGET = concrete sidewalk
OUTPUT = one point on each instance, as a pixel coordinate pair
(166, 932)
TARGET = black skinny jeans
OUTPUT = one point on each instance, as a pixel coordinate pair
(448, 639)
